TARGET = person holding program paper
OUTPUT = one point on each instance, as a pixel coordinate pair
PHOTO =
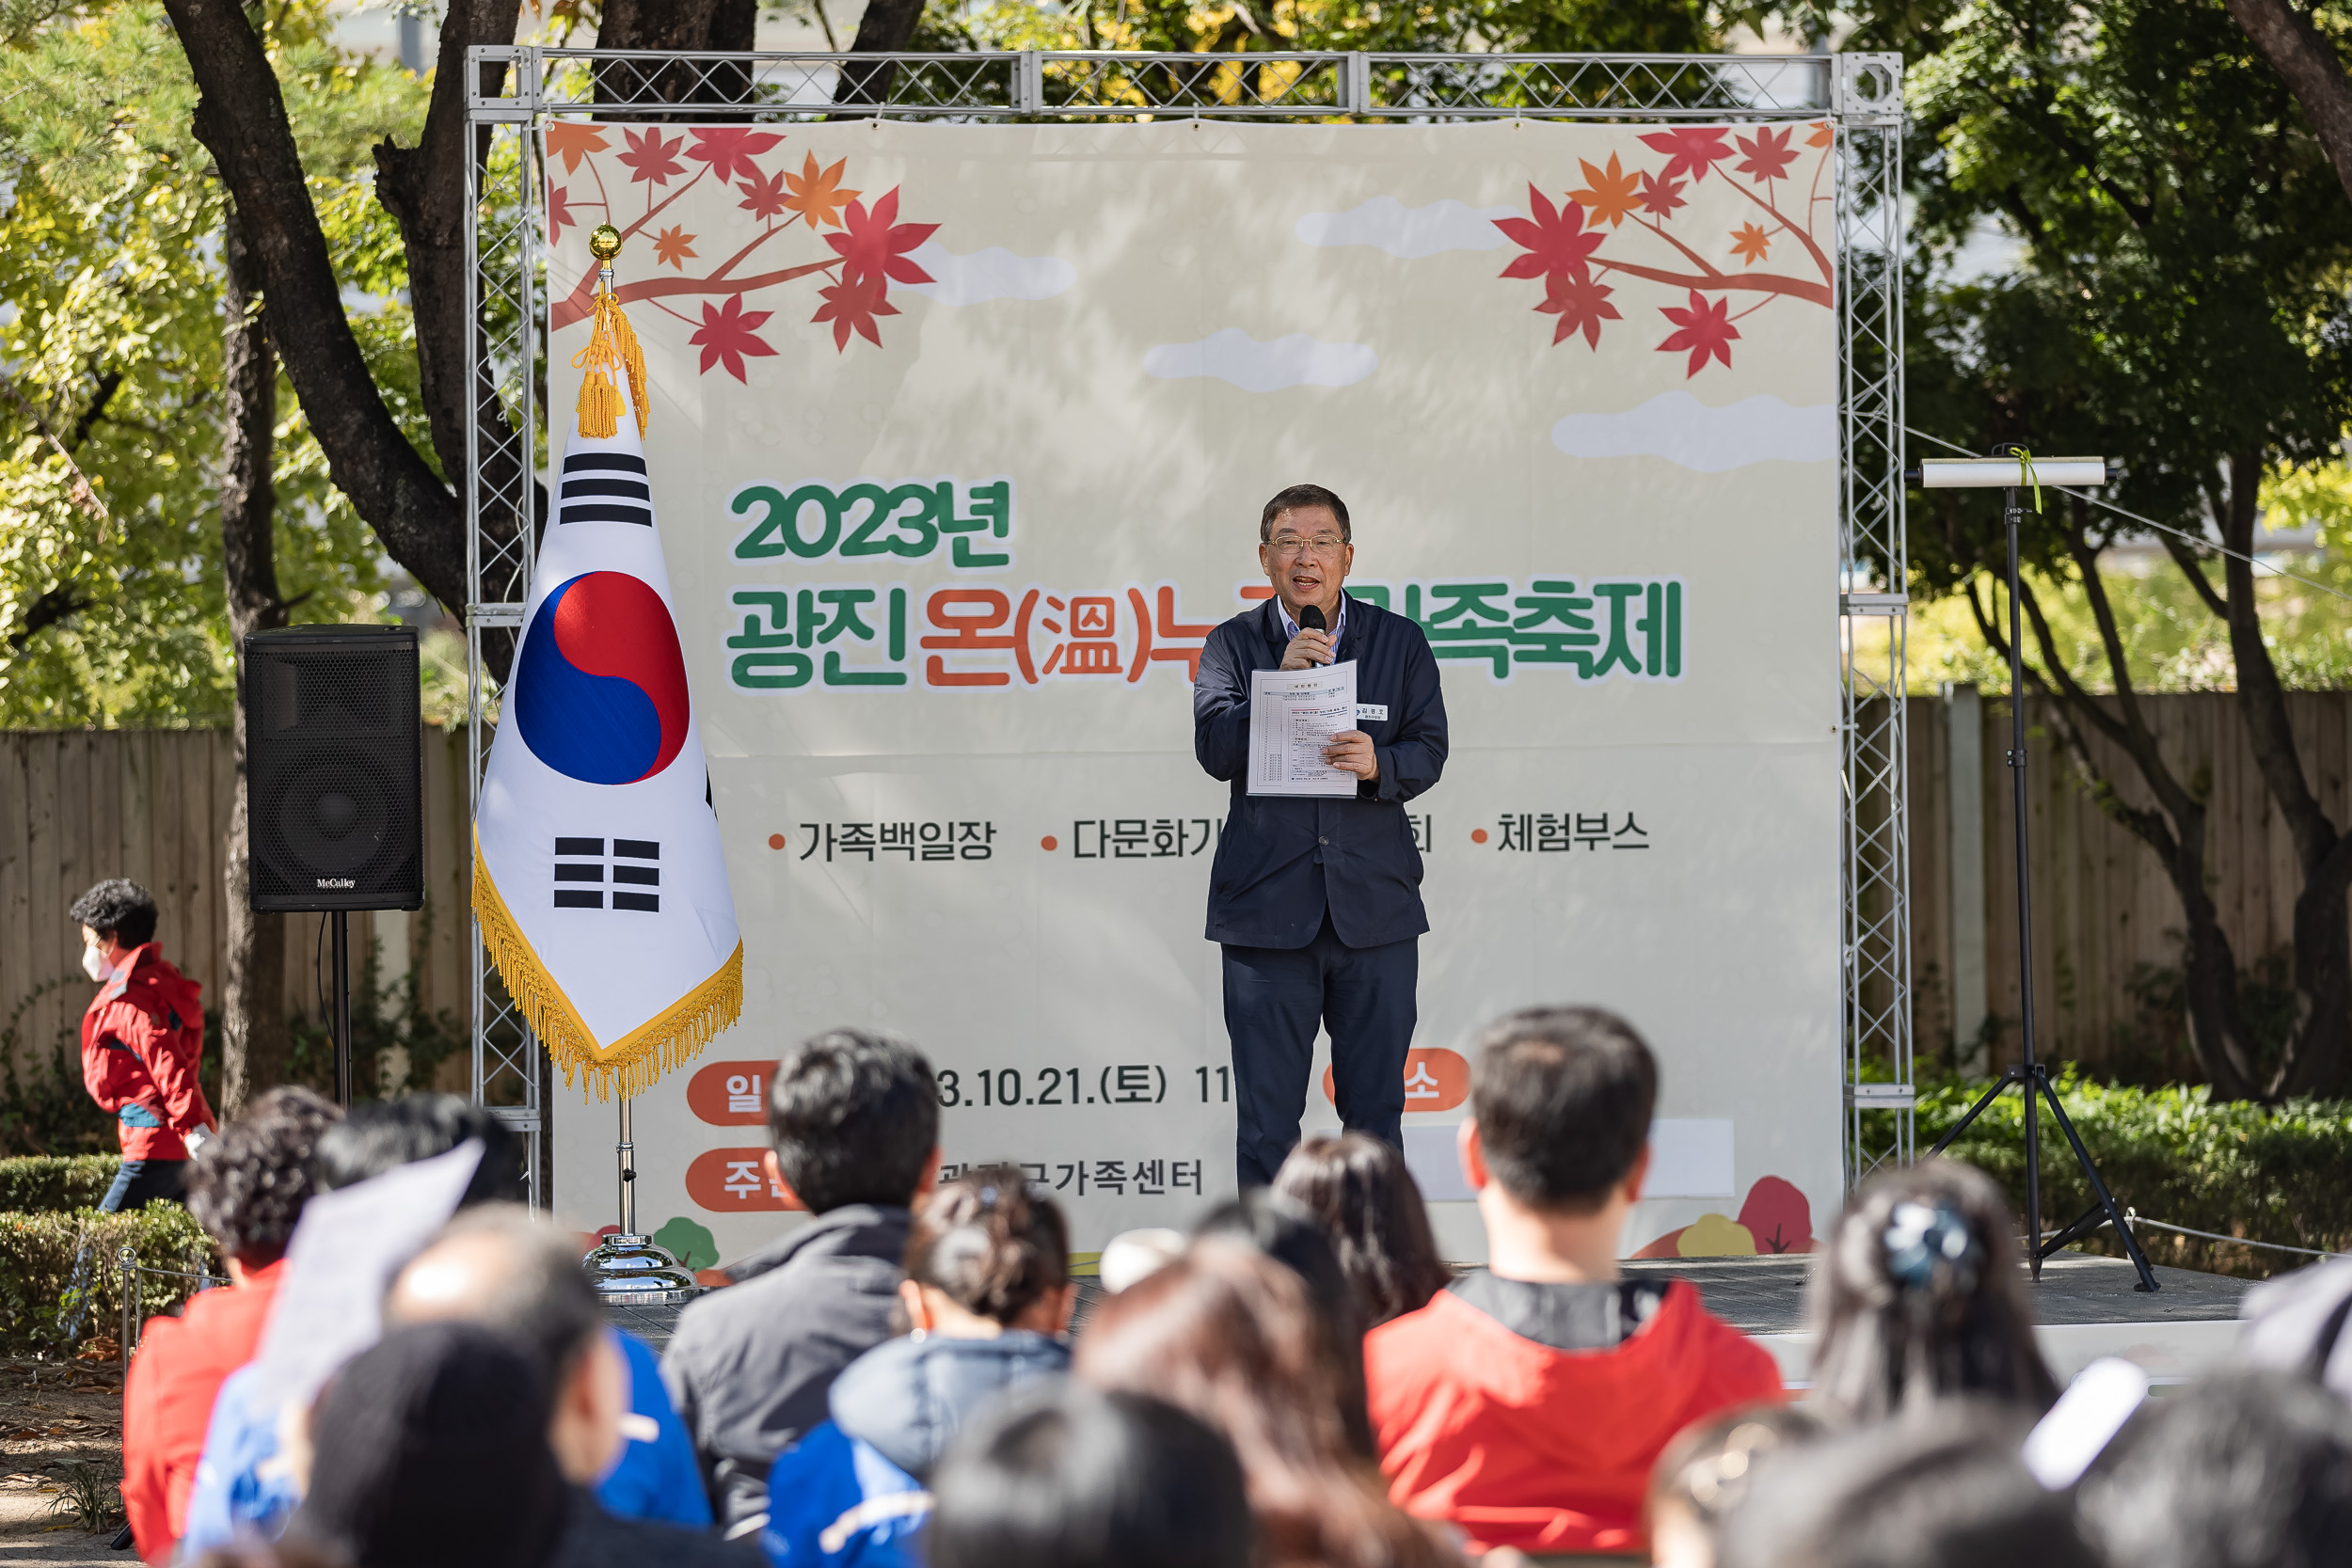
(1315, 894)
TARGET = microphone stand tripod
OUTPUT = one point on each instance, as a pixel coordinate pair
(2031, 1074)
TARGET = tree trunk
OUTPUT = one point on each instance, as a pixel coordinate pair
(2309, 66)
(887, 26)
(254, 1038)
(675, 26)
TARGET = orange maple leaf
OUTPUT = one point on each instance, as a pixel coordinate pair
(818, 197)
(571, 141)
(1749, 242)
(1610, 195)
(1822, 136)
(674, 246)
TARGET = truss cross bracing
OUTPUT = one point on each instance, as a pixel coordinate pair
(513, 90)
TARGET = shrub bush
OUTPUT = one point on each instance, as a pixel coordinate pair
(2267, 1173)
(61, 1273)
(56, 1183)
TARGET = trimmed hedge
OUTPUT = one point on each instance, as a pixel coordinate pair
(2270, 1173)
(56, 1183)
(61, 1273)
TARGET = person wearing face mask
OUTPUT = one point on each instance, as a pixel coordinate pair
(142, 1040)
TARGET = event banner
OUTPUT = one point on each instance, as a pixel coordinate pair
(959, 440)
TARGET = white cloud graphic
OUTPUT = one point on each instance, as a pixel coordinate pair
(1410, 233)
(985, 274)
(1234, 356)
(1684, 430)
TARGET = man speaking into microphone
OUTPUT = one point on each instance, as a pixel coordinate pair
(1317, 900)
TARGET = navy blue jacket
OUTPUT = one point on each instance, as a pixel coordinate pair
(1285, 858)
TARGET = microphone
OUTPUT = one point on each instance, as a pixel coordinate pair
(1310, 618)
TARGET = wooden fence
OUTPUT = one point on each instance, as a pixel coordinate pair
(152, 806)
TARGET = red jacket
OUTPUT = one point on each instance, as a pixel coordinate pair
(168, 1400)
(141, 1040)
(1546, 1450)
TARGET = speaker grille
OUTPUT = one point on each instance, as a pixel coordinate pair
(334, 768)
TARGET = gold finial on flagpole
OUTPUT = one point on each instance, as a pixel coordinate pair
(612, 349)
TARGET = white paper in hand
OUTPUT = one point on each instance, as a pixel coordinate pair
(347, 1247)
(1292, 716)
(2085, 1420)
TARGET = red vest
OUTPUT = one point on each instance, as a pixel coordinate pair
(141, 1040)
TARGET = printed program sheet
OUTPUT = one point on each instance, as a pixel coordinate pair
(1293, 715)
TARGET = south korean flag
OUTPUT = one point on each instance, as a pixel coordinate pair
(598, 879)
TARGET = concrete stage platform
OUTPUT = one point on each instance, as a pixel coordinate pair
(2084, 1307)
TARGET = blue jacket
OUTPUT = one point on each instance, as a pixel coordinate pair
(1283, 860)
(659, 1476)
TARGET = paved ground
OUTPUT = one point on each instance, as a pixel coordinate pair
(52, 1418)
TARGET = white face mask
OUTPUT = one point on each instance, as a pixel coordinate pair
(94, 964)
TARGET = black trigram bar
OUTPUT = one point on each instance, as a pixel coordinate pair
(604, 487)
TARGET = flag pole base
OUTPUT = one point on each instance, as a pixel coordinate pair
(633, 1270)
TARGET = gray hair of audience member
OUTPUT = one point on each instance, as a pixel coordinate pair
(247, 1186)
(2248, 1468)
(853, 1116)
(1369, 1206)
(1918, 1296)
(1944, 1488)
(378, 1135)
(1276, 1227)
(430, 1451)
(1706, 1471)
(1057, 1476)
(537, 1294)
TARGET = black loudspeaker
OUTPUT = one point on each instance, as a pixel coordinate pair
(334, 767)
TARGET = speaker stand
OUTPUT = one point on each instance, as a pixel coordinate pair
(338, 938)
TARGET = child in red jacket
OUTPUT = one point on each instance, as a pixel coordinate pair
(142, 1040)
(1526, 1403)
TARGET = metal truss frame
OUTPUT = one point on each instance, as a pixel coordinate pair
(513, 90)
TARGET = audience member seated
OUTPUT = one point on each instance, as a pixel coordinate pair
(1705, 1472)
(1358, 1190)
(854, 1120)
(1057, 1475)
(2246, 1468)
(1920, 1294)
(1942, 1488)
(1287, 1233)
(1231, 1336)
(241, 1489)
(987, 1297)
(429, 1450)
(246, 1189)
(1528, 1400)
(496, 1266)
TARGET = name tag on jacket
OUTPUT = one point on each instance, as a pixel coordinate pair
(1370, 713)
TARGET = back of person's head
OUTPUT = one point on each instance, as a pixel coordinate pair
(1059, 1476)
(1358, 1190)
(990, 1244)
(1941, 1489)
(1563, 1098)
(2246, 1469)
(1703, 1474)
(378, 1135)
(855, 1117)
(1918, 1296)
(118, 907)
(247, 1186)
(1268, 1223)
(496, 1265)
(429, 1451)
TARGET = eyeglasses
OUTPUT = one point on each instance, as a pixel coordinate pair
(1322, 545)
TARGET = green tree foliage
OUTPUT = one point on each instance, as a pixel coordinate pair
(110, 333)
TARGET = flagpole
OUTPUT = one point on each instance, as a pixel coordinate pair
(629, 1173)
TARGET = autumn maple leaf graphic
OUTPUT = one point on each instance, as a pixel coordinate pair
(558, 212)
(572, 141)
(673, 246)
(1750, 243)
(651, 158)
(1767, 158)
(730, 149)
(874, 245)
(1693, 150)
(727, 335)
(818, 197)
(852, 304)
(1582, 306)
(763, 195)
(1609, 194)
(1706, 331)
(1556, 241)
(1820, 135)
(1659, 197)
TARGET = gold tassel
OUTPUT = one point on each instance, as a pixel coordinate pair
(611, 352)
(638, 1060)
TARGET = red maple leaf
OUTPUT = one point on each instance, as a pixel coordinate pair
(1766, 159)
(727, 336)
(1695, 149)
(651, 157)
(875, 244)
(1659, 197)
(1706, 330)
(1582, 306)
(763, 195)
(726, 149)
(673, 246)
(1555, 239)
(853, 303)
(558, 213)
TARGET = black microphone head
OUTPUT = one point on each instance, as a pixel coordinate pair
(1310, 618)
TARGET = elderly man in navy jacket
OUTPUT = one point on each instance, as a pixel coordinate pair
(1317, 901)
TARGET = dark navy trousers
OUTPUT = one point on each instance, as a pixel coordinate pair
(1274, 997)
